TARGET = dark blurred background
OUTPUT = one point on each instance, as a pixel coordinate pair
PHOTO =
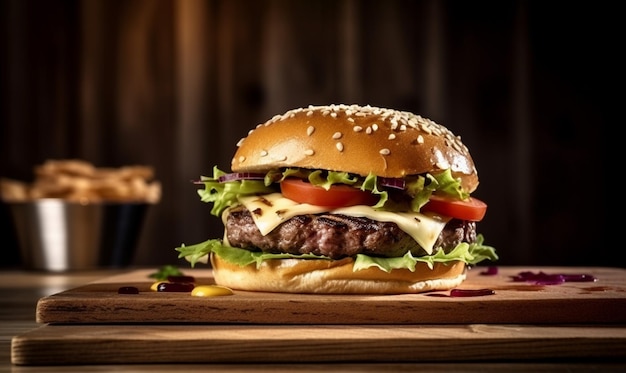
(175, 84)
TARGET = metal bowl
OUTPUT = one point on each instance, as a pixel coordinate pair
(57, 235)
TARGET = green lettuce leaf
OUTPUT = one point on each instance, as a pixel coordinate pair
(468, 253)
(447, 184)
(371, 184)
(420, 189)
(224, 195)
(332, 177)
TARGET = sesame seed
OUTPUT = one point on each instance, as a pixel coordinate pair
(420, 139)
(339, 146)
(357, 128)
(309, 152)
(337, 135)
(391, 136)
(239, 142)
(263, 153)
(241, 159)
(375, 127)
(368, 130)
(333, 114)
(385, 151)
(281, 159)
(310, 130)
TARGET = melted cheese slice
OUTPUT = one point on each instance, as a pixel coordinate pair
(270, 210)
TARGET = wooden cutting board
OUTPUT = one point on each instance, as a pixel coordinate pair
(602, 301)
(250, 344)
(93, 324)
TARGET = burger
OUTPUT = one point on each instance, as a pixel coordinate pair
(344, 199)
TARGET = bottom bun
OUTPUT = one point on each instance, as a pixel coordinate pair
(335, 276)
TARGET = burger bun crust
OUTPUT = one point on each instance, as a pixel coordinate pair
(334, 277)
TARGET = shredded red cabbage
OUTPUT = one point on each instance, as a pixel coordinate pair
(490, 271)
(471, 293)
(542, 278)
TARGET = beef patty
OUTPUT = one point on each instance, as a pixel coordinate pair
(338, 236)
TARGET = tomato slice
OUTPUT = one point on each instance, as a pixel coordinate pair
(471, 209)
(337, 196)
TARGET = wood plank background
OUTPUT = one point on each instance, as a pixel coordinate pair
(175, 84)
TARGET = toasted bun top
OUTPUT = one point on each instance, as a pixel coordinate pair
(355, 139)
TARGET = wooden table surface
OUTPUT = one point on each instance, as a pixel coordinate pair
(20, 291)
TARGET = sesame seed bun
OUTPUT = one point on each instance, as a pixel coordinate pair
(356, 139)
(335, 277)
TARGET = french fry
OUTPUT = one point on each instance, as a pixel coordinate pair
(80, 181)
(14, 190)
(70, 167)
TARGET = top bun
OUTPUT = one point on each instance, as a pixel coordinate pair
(356, 139)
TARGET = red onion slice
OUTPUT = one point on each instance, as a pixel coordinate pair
(391, 182)
(241, 176)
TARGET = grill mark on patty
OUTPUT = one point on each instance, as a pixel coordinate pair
(332, 222)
